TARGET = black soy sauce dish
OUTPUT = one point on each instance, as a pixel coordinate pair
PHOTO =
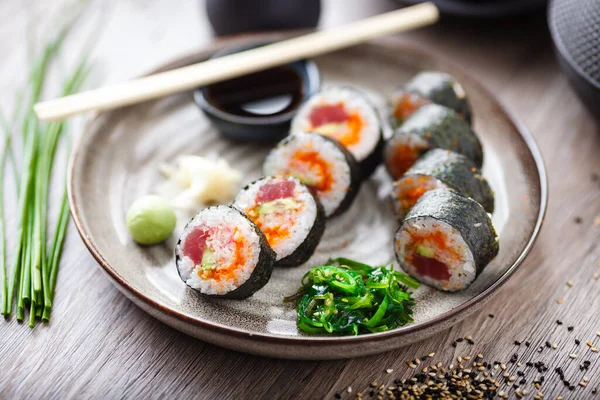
(261, 105)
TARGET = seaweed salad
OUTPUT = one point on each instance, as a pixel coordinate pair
(347, 297)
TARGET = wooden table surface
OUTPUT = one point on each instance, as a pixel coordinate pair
(100, 345)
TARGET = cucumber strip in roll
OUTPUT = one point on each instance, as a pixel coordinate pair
(441, 169)
(288, 214)
(345, 114)
(431, 126)
(446, 240)
(222, 253)
(429, 87)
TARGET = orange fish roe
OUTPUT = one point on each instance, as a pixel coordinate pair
(238, 260)
(437, 238)
(349, 124)
(408, 193)
(312, 160)
(274, 234)
(402, 158)
(407, 104)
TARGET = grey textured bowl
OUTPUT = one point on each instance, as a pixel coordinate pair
(127, 145)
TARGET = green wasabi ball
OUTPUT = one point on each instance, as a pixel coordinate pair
(150, 220)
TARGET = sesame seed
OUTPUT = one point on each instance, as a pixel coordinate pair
(560, 300)
(349, 390)
(586, 379)
(469, 337)
(596, 276)
(554, 346)
(594, 350)
(589, 343)
(430, 355)
(573, 355)
(389, 370)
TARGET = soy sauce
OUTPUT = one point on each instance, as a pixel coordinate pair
(271, 92)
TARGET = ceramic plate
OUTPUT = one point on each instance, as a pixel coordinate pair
(117, 160)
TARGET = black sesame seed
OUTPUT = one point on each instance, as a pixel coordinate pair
(529, 364)
(470, 341)
(578, 220)
(523, 381)
(371, 393)
(517, 343)
(520, 373)
(570, 328)
(454, 344)
(577, 342)
(567, 383)
(548, 344)
(491, 315)
(338, 396)
(571, 387)
(459, 339)
(558, 322)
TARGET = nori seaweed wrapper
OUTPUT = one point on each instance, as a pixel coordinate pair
(443, 89)
(457, 172)
(441, 128)
(466, 216)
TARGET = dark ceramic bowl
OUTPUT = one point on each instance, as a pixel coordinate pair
(257, 127)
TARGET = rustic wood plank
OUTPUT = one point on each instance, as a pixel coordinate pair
(100, 344)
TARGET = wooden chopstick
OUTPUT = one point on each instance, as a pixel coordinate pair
(234, 65)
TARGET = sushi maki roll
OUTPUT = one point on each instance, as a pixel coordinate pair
(426, 88)
(288, 214)
(222, 253)
(446, 240)
(430, 127)
(441, 169)
(346, 115)
(328, 169)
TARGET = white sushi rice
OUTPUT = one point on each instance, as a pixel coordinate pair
(354, 102)
(462, 270)
(298, 221)
(278, 163)
(429, 183)
(222, 219)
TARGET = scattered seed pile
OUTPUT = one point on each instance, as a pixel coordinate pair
(475, 377)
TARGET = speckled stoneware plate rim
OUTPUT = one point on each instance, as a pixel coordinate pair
(456, 313)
